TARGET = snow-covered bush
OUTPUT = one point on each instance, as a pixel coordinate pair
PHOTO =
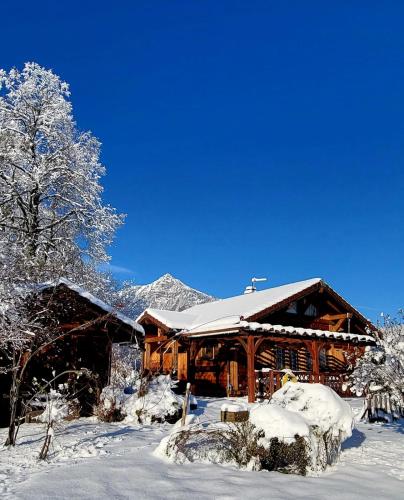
(381, 369)
(56, 408)
(328, 417)
(299, 431)
(240, 444)
(234, 443)
(125, 374)
(147, 401)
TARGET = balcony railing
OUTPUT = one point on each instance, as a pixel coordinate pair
(269, 381)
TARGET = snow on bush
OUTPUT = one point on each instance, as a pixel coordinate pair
(319, 405)
(276, 422)
(328, 416)
(148, 401)
(56, 409)
(158, 403)
(125, 375)
(238, 444)
(299, 431)
(212, 443)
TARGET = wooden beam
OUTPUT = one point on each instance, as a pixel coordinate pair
(333, 306)
(242, 342)
(258, 343)
(314, 350)
(332, 317)
(152, 340)
(251, 369)
(338, 325)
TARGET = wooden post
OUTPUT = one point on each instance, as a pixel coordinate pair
(146, 357)
(271, 383)
(174, 362)
(315, 361)
(185, 405)
(251, 368)
(192, 354)
(160, 350)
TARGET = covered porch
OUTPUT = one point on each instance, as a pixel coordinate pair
(250, 359)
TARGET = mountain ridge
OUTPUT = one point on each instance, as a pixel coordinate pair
(166, 292)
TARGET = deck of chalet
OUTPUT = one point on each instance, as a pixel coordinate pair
(243, 345)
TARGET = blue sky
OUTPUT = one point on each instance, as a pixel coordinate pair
(241, 138)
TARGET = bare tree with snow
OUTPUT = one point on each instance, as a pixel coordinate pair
(50, 193)
(53, 222)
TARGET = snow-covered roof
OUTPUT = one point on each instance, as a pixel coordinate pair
(174, 320)
(234, 313)
(234, 326)
(243, 306)
(96, 301)
(249, 304)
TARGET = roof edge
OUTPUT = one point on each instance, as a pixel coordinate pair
(94, 300)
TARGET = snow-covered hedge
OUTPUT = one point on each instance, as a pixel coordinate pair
(299, 431)
(148, 401)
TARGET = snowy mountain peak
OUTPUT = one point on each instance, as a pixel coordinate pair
(166, 292)
(166, 279)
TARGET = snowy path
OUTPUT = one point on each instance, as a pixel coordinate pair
(116, 461)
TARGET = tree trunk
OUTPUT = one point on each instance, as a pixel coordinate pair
(14, 399)
(48, 438)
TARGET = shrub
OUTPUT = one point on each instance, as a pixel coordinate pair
(240, 444)
(287, 457)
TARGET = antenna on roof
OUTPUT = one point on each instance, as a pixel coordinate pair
(252, 288)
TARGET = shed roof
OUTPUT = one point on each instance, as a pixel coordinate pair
(95, 301)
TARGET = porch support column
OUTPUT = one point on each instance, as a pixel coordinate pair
(174, 354)
(251, 368)
(193, 352)
(315, 360)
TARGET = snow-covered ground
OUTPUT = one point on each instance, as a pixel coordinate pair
(98, 460)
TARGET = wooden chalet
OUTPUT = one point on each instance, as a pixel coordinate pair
(88, 327)
(243, 345)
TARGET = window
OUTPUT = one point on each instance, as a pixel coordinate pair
(323, 359)
(280, 358)
(292, 309)
(207, 352)
(294, 360)
(309, 361)
(311, 311)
